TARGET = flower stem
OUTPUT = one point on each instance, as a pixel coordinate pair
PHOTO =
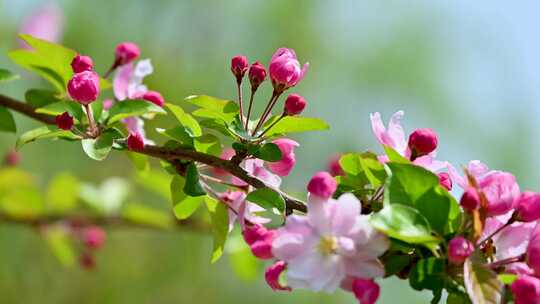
(267, 110)
(240, 101)
(92, 124)
(489, 237)
(246, 127)
(507, 261)
(272, 125)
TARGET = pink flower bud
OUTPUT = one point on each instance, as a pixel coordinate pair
(459, 249)
(501, 191)
(257, 74)
(94, 237)
(82, 63)
(254, 233)
(533, 250)
(470, 200)
(334, 167)
(526, 290)
(84, 87)
(12, 158)
(422, 142)
(288, 159)
(239, 67)
(285, 70)
(445, 181)
(366, 291)
(528, 206)
(64, 121)
(262, 249)
(126, 52)
(294, 105)
(322, 184)
(135, 142)
(87, 261)
(154, 97)
(272, 275)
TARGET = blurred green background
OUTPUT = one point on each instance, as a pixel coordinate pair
(469, 70)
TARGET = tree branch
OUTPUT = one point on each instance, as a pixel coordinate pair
(171, 154)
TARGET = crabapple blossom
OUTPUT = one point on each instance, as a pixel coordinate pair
(459, 249)
(445, 181)
(366, 291)
(533, 250)
(334, 167)
(84, 87)
(255, 167)
(394, 137)
(501, 191)
(126, 52)
(422, 142)
(288, 159)
(322, 185)
(285, 70)
(257, 74)
(128, 81)
(526, 290)
(528, 206)
(294, 105)
(259, 240)
(154, 97)
(470, 199)
(64, 121)
(476, 169)
(135, 142)
(46, 23)
(332, 242)
(239, 67)
(242, 210)
(94, 237)
(82, 63)
(272, 275)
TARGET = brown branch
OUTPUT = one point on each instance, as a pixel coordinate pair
(168, 154)
(25, 109)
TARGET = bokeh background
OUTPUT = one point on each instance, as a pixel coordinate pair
(468, 69)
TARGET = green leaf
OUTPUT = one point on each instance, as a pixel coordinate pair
(269, 152)
(141, 214)
(507, 278)
(23, 202)
(7, 123)
(193, 186)
(73, 108)
(417, 187)
(50, 61)
(457, 298)
(394, 156)
(481, 282)
(185, 119)
(179, 134)
(6, 76)
(364, 167)
(40, 98)
(220, 225)
(63, 192)
(128, 108)
(267, 198)
(294, 124)
(184, 205)
(155, 181)
(140, 161)
(99, 148)
(428, 274)
(208, 144)
(214, 108)
(395, 263)
(405, 224)
(217, 125)
(42, 133)
(60, 242)
(243, 263)
(108, 197)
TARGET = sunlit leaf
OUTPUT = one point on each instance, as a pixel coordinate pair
(141, 214)
(185, 119)
(213, 108)
(156, 181)
(208, 144)
(267, 198)
(62, 192)
(128, 108)
(220, 226)
(42, 133)
(60, 242)
(40, 98)
(179, 134)
(183, 205)
(99, 148)
(140, 161)
(73, 108)
(295, 124)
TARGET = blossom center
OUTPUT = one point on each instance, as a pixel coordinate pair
(328, 245)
